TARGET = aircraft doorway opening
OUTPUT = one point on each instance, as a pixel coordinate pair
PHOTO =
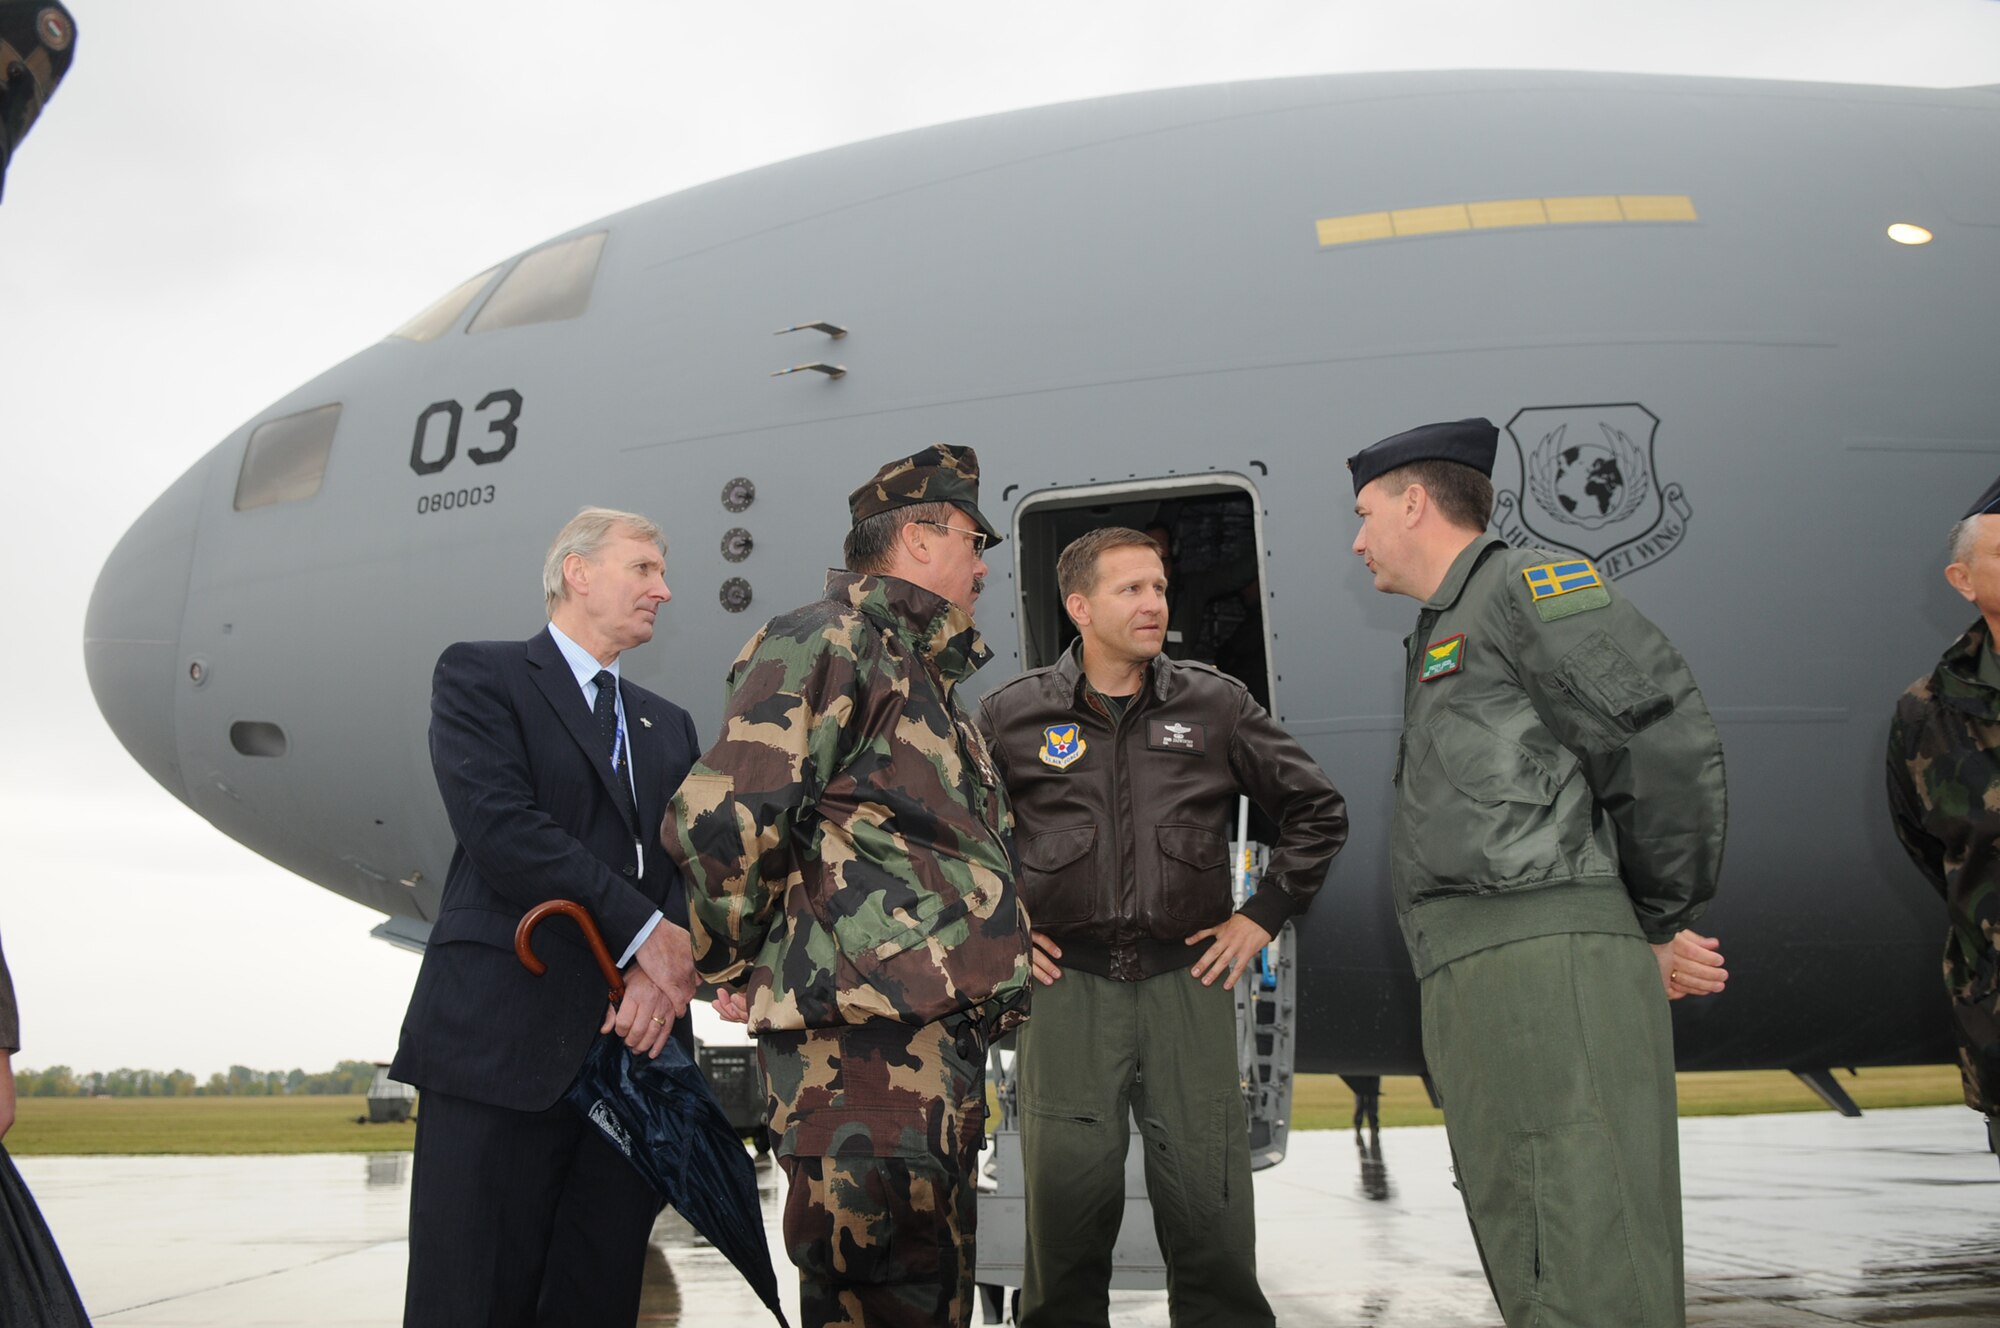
(1213, 527)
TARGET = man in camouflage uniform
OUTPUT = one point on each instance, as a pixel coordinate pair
(1944, 793)
(848, 854)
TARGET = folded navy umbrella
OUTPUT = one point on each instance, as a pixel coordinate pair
(661, 1115)
(35, 1290)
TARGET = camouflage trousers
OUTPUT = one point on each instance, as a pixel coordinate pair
(878, 1127)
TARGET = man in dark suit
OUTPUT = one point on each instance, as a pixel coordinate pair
(549, 765)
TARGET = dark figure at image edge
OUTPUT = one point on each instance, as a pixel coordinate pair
(1944, 797)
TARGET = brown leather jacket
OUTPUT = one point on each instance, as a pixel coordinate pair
(1123, 829)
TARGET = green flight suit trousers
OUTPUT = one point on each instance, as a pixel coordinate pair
(1554, 1056)
(1095, 1053)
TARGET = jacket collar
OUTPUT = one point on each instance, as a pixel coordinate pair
(1460, 572)
(1956, 677)
(1159, 673)
(935, 627)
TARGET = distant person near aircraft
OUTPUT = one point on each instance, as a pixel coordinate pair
(1367, 1090)
(1944, 795)
(1559, 807)
(553, 770)
(35, 1288)
(849, 858)
(1125, 767)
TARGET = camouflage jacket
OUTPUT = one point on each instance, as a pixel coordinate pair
(1944, 793)
(846, 842)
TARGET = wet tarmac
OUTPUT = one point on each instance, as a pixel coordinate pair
(1791, 1220)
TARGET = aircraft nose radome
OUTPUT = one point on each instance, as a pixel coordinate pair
(132, 629)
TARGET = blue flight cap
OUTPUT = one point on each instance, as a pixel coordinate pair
(1468, 442)
(1989, 502)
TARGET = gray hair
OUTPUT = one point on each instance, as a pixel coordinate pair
(1963, 536)
(872, 541)
(588, 532)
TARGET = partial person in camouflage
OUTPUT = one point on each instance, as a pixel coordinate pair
(1944, 793)
(37, 44)
(848, 853)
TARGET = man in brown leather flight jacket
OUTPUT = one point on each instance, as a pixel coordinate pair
(1124, 767)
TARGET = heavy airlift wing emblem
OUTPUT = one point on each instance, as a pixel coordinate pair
(1589, 483)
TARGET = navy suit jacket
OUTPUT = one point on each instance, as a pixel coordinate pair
(515, 752)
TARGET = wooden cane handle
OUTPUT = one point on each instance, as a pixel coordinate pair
(524, 948)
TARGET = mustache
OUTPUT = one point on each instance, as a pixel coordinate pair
(978, 584)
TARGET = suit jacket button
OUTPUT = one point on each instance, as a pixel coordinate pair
(629, 870)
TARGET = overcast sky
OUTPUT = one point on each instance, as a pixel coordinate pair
(225, 199)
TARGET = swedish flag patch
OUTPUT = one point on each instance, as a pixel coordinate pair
(1549, 583)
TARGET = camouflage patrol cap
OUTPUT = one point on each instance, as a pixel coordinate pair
(1468, 442)
(940, 473)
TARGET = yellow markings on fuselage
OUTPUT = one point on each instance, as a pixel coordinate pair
(1496, 214)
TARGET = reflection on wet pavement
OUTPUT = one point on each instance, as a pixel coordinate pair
(1791, 1221)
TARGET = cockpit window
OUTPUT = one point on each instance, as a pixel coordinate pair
(435, 321)
(547, 285)
(286, 458)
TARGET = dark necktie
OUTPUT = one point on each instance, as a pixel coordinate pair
(606, 715)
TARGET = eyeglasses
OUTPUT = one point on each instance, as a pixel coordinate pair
(980, 539)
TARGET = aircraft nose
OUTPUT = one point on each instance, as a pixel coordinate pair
(132, 629)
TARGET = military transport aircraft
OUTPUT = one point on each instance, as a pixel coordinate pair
(1739, 336)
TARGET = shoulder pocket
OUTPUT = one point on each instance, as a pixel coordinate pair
(1613, 698)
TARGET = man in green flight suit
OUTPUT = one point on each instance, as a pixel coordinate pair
(1559, 808)
(848, 853)
(1944, 793)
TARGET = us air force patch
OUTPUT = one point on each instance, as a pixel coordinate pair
(1561, 589)
(1062, 745)
(1442, 658)
(1171, 735)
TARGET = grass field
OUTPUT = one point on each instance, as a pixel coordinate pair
(204, 1125)
(51, 1126)
(1323, 1102)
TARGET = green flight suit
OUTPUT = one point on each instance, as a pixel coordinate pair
(1559, 804)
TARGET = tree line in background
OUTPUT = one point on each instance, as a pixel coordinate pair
(348, 1077)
